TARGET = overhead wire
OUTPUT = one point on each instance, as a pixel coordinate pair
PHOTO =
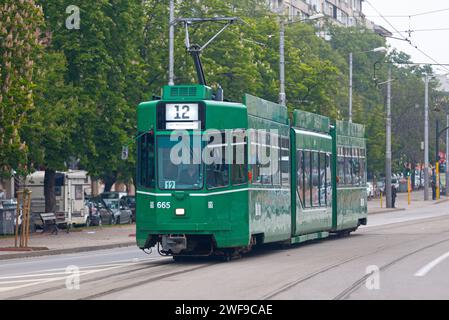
(404, 37)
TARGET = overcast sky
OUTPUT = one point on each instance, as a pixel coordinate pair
(433, 43)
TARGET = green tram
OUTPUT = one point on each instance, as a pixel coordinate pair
(313, 185)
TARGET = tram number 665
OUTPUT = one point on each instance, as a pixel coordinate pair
(163, 205)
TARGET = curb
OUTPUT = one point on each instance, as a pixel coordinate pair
(387, 211)
(65, 251)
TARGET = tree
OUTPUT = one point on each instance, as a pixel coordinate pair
(50, 129)
(104, 67)
(20, 46)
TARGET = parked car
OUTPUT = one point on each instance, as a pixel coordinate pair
(370, 190)
(119, 213)
(113, 195)
(93, 217)
(130, 202)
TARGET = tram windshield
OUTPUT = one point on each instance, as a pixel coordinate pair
(174, 176)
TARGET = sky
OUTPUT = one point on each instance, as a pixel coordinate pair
(434, 43)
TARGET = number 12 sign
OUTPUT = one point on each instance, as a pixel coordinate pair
(181, 112)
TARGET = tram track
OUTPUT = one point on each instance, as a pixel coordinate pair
(343, 294)
(145, 282)
(61, 287)
(356, 285)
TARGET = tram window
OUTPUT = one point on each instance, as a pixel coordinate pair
(184, 176)
(265, 169)
(322, 171)
(146, 156)
(217, 173)
(328, 181)
(307, 180)
(315, 179)
(239, 158)
(285, 161)
(341, 166)
(355, 167)
(348, 166)
(362, 165)
(254, 161)
(300, 174)
(276, 159)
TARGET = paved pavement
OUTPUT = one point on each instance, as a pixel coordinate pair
(404, 255)
(78, 240)
(376, 206)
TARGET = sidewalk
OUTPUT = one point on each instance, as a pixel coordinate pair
(78, 240)
(417, 201)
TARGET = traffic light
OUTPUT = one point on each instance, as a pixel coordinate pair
(408, 172)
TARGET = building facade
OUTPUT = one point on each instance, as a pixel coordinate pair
(347, 13)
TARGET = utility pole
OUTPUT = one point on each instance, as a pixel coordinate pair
(171, 68)
(388, 149)
(282, 95)
(437, 162)
(447, 153)
(426, 141)
(350, 86)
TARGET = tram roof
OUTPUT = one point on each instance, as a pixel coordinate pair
(311, 121)
(350, 129)
(266, 109)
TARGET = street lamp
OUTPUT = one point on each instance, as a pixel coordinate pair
(380, 49)
(388, 154)
(282, 95)
(437, 150)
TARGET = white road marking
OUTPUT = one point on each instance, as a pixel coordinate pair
(427, 268)
(40, 278)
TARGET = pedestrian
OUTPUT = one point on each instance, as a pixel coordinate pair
(434, 189)
(394, 194)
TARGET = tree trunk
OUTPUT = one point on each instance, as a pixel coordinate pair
(108, 183)
(49, 190)
(94, 187)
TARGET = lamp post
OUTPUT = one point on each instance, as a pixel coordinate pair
(388, 154)
(282, 94)
(426, 140)
(171, 66)
(351, 55)
(447, 153)
(437, 151)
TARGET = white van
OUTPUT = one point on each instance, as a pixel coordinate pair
(70, 188)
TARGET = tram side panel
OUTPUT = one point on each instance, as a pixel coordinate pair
(269, 199)
(350, 208)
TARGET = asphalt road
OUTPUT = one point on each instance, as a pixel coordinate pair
(403, 255)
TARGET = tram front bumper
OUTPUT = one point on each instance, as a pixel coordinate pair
(174, 244)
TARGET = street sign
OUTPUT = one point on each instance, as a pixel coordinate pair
(125, 153)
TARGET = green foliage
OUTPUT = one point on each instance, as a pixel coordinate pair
(105, 70)
(20, 48)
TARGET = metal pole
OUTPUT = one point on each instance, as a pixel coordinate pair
(350, 85)
(426, 141)
(16, 242)
(171, 67)
(437, 162)
(388, 149)
(447, 155)
(282, 95)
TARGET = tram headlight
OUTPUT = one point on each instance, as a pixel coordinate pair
(180, 212)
